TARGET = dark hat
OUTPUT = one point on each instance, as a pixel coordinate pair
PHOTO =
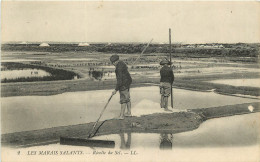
(165, 62)
(114, 58)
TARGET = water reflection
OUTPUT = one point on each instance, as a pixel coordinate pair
(215, 133)
(125, 144)
(166, 141)
(25, 73)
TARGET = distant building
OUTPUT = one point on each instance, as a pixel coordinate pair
(207, 46)
(44, 45)
(23, 43)
(190, 46)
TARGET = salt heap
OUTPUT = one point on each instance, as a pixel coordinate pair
(146, 107)
(250, 108)
(83, 44)
(44, 45)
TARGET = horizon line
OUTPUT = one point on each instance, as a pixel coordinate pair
(61, 42)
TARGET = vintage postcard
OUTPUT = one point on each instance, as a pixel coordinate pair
(130, 81)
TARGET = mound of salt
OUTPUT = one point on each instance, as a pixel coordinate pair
(44, 45)
(250, 108)
(83, 44)
(145, 107)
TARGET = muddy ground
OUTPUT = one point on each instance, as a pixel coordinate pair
(155, 123)
(190, 73)
(197, 83)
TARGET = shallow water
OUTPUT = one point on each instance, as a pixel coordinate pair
(239, 82)
(211, 70)
(15, 74)
(24, 113)
(16, 60)
(234, 138)
(240, 130)
(207, 71)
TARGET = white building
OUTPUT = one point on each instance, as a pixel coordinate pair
(23, 43)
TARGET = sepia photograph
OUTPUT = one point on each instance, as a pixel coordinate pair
(130, 81)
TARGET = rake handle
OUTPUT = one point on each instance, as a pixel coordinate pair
(100, 115)
(142, 52)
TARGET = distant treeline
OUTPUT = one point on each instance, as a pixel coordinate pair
(238, 49)
(56, 74)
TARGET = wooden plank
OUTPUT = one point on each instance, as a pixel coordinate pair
(86, 142)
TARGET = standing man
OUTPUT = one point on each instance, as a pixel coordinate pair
(124, 81)
(167, 78)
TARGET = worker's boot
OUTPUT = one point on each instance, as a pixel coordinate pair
(123, 144)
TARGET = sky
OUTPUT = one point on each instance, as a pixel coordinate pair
(107, 21)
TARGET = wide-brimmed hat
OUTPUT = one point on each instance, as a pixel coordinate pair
(165, 62)
(114, 58)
